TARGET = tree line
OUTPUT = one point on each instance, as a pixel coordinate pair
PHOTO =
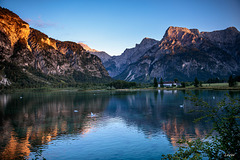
(232, 81)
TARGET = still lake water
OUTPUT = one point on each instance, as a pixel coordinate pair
(126, 125)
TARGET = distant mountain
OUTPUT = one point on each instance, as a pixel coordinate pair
(117, 64)
(183, 54)
(101, 54)
(30, 57)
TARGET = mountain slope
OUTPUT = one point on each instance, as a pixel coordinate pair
(28, 56)
(185, 54)
(118, 64)
(101, 54)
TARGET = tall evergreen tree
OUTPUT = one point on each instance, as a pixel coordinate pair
(231, 81)
(155, 83)
(196, 82)
(183, 84)
(161, 83)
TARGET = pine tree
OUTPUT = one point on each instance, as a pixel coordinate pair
(196, 82)
(155, 83)
(231, 81)
(183, 84)
(161, 83)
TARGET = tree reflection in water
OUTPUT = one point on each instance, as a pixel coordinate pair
(30, 123)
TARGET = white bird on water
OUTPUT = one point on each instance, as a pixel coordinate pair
(75, 110)
(182, 105)
(93, 115)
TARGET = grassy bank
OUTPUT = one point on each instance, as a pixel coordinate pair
(104, 87)
(69, 89)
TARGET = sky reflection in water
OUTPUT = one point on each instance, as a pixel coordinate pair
(127, 125)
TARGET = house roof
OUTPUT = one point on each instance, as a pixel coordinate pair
(170, 82)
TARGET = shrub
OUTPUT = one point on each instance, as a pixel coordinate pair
(119, 84)
(226, 144)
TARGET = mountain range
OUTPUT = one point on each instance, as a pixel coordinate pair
(183, 54)
(28, 56)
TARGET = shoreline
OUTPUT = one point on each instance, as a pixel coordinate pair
(69, 89)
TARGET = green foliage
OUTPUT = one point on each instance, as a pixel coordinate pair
(89, 86)
(215, 80)
(119, 84)
(196, 82)
(226, 144)
(192, 150)
(155, 83)
(231, 81)
(31, 78)
(161, 83)
(18, 78)
(183, 84)
(237, 78)
(81, 77)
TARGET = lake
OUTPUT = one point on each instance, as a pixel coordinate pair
(123, 124)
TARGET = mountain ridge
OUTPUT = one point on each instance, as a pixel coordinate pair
(185, 54)
(101, 54)
(182, 53)
(29, 56)
(118, 64)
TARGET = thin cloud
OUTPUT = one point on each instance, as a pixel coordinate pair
(40, 23)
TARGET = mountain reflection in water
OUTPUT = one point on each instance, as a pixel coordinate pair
(30, 124)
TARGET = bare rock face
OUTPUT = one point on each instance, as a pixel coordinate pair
(87, 48)
(38, 58)
(187, 53)
(14, 27)
(228, 40)
(117, 64)
(101, 54)
(228, 35)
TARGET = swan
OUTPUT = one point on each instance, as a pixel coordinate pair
(182, 105)
(93, 115)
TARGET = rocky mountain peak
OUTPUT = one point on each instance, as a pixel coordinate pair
(87, 48)
(228, 35)
(195, 31)
(176, 32)
(29, 53)
(100, 54)
(117, 64)
(147, 41)
(233, 29)
(178, 36)
(184, 54)
(13, 26)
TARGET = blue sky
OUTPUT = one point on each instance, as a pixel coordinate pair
(114, 25)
